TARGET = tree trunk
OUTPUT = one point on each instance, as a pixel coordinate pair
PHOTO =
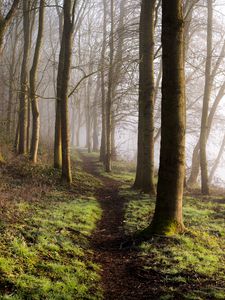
(12, 71)
(88, 110)
(67, 45)
(108, 162)
(195, 165)
(206, 99)
(79, 120)
(117, 68)
(58, 134)
(58, 137)
(167, 219)
(33, 98)
(145, 162)
(217, 161)
(195, 168)
(5, 22)
(113, 137)
(95, 116)
(24, 80)
(103, 98)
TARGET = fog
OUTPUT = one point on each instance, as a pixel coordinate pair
(87, 62)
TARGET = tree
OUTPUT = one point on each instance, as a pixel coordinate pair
(103, 96)
(23, 111)
(58, 137)
(217, 161)
(33, 75)
(168, 212)
(5, 21)
(206, 99)
(145, 160)
(108, 159)
(62, 96)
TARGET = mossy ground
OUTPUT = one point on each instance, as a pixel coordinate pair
(122, 172)
(188, 266)
(46, 228)
(45, 250)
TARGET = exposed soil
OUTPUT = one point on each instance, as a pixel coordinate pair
(122, 277)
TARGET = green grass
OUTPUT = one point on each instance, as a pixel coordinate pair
(122, 171)
(47, 255)
(193, 260)
(45, 249)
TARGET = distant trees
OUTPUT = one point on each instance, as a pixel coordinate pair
(168, 212)
(213, 64)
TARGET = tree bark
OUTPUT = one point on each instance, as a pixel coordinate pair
(145, 161)
(217, 161)
(68, 8)
(5, 22)
(58, 134)
(33, 75)
(206, 99)
(167, 218)
(103, 96)
(117, 68)
(108, 162)
(23, 116)
(95, 117)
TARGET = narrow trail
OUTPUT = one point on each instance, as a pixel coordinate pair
(120, 276)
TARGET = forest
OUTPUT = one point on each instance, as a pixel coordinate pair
(112, 149)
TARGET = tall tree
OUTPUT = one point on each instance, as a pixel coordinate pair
(12, 72)
(117, 72)
(66, 56)
(95, 116)
(108, 159)
(33, 75)
(103, 95)
(168, 212)
(23, 111)
(58, 137)
(206, 99)
(145, 160)
(5, 22)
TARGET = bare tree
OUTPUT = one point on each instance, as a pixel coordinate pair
(33, 75)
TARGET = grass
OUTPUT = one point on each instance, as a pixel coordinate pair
(193, 261)
(48, 255)
(189, 266)
(45, 249)
(121, 171)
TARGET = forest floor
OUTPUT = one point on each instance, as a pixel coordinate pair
(77, 242)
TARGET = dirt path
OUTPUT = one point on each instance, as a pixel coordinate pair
(119, 265)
